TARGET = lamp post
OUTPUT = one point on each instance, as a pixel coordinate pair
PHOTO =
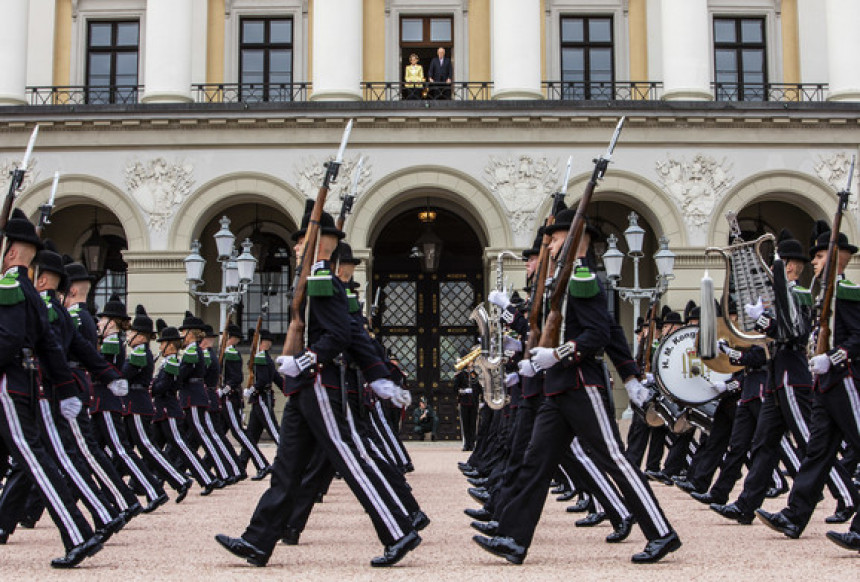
(237, 270)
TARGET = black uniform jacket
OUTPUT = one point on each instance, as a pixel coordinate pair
(192, 367)
(102, 399)
(846, 334)
(165, 387)
(138, 370)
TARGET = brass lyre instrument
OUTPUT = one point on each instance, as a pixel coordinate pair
(747, 279)
(489, 363)
(467, 360)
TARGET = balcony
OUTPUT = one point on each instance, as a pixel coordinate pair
(84, 95)
(778, 92)
(602, 90)
(251, 92)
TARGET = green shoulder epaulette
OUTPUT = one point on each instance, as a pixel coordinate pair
(804, 295)
(10, 290)
(320, 284)
(352, 302)
(583, 283)
(52, 313)
(232, 354)
(207, 358)
(847, 291)
(190, 355)
(260, 358)
(110, 346)
(75, 313)
(137, 357)
(171, 365)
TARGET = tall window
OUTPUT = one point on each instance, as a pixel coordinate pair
(112, 61)
(740, 72)
(587, 69)
(423, 35)
(266, 59)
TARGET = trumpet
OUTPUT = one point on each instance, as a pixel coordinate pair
(467, 360)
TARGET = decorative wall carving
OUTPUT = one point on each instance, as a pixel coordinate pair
(696, 186)
(310, 174)
(6, 167)
(159, 187)
(522, 183)
(834, 170)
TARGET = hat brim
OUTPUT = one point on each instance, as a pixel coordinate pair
(326, 230)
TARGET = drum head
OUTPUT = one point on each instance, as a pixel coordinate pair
(680, 372)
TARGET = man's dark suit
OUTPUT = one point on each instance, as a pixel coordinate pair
(440, 72)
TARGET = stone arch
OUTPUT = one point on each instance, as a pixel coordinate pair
(230, 190)
(812, 195)
(632, 190)
(80, 189)
(456, 191)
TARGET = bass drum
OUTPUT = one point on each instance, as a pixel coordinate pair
(680, 373)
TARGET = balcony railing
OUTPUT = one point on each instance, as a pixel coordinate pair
(251, 92)
(397, 91)
(602, 90)
(769, 92)
(84, 95)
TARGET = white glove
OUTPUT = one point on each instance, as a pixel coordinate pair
(636, 391)
(226, 390)
(70, 407)
(819, 364)
(512, 379)
(720, 386)
(527, 370)
(401, 398)
(512, 345)
(294, 365)
(649, 378)
(406, 397)
(119, 387)
(544, 358)
(733, 354)
(248, 393)
(385, 388)
(499, 298)
(754, 311)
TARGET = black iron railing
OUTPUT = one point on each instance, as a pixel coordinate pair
(398, 91)
(602, 90)
(84, 95)
(251, 92)
(769, 91)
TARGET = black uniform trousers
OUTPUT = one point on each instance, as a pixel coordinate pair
(389, 436)
(198, 435)
(592, 480)
(233, 419)
(835, 416)
(521, 437)
(113, 434)
(709, 456)
(743, 429)
(167, 432)
(582, 413)
(483, 435)
(314, 417)
(261, 418)
(138, 428)
(678, 457)
(468, 425)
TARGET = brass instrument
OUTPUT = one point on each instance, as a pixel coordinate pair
(747, 279)
(467, 360)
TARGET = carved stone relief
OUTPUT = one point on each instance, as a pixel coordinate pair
(521, 183)
(159, 187)
(696, 186)
(834, 170)
(6, 167)
(310, 174)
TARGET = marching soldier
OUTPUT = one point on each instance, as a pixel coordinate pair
(261, 396)
(212, 416)
(467, 399)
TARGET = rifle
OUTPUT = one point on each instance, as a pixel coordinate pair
(222, 345)
(645, 349)
(294, 343)
(349, 198)
(824, 305)
(539, 286)
(255, 343)
(46, 209)
(567, 255)
(14, 186)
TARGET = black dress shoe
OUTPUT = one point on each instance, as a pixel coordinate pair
(419, 520)
(220, 483)
(591, 519)
(559, 489)
(182, 492)
(27, 523)
(408, 468)
(4, 537)
(707, 498)
(478, 481)
(488, 528)
(77, 554)
(395, 552)
(733, 512)
(156, 503)
(566, 496)
(656, 549)
(581, 505)
(505, 547)
(262, 473)
(465, 466)
(778, 522)
(113, 526)
(775, 492)
(472, 473)
(132, 511)
(622, 530)
(848, 540)
(685, 485)
(479, 494)
(291, 536)
(840, 516)
(659, 476)
(480, 514)
(210, 487)
(239, 547)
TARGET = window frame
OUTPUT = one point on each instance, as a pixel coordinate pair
(586, 44)
(738, 47)
(113, 49)
(267, 47)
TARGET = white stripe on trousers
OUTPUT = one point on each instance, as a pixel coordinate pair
(267, 414)
(395, 442)
(129, 462)
(220, 442)
(854, 399)
(69, 467)
(648, 501)
(95, 466)
(207, 444)
(599, 478)
(153, 450)
(36, 469)
(790, 454)
(189, 456)
(389, 454)
(352, 463)
(243, 438)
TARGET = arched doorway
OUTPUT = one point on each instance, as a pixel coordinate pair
(426, 294)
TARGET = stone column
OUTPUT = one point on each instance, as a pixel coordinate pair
(156, 279)
(167, 62)
(516, 54)
(843, 46)
(13, 52)
(337, 50)
(687, 53)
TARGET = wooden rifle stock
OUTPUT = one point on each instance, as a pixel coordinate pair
(645, 367)
(828, 278)
(255, 344)
(540, 274)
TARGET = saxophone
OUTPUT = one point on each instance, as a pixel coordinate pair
(489, 364)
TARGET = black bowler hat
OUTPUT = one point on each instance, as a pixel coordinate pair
(327, 225)
(787, 247)
(673, 318)
(640, 323)
(234, 330)
(209, 331)
(142, 322)
(344, 254)
(565, 218)
(114, 309)
(20, 229)
(167, 333)
(821, 240)
(191, 321)
(265, 334)
(49, 260)
(535, 250)
(76, 271)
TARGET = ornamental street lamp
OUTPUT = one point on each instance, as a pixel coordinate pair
(237, 270)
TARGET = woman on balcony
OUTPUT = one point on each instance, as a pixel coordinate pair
(414, 79)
